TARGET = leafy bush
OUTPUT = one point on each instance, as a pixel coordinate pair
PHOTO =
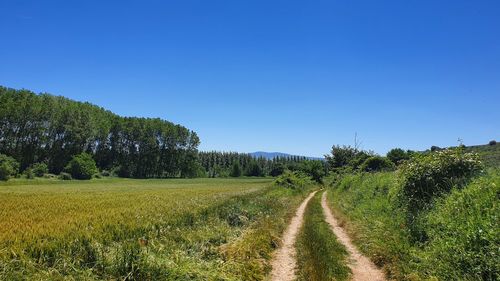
(8, 167)
(429, 176)
(293, 180)
(39, 169)
(492, 142)
(65, 176)
(376, 164)
(28, 173)
(82, 166)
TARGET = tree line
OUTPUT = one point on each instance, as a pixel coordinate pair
(46, 134)
(233, 164)
(42, 128)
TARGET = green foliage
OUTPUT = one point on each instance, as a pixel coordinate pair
(53, 129)
(341, 156)
(430, 176)
(293, 180)
(40, 169)
(254, 169)
(346, 158)
(362, 204)
(277, 169)
(320, 255)
(397, 155)
(463, 233)
(235, 170)
(314, 168)
(65, 176)
(29, 174)
(220, 164)
(461, 227)
(82, 167)
(377, 164)
(492, 142)
(8, 167)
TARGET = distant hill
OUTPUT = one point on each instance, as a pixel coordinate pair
(490, 154)
(271, 155)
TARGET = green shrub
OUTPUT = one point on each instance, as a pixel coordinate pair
(293, 180)
(39, 169)
(82, 167)
(492, 142)
(429, 176)
(463, 233)
(65, 176)
(376, 164)
(29, 174)
(8, 167)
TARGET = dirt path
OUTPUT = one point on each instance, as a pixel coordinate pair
(284, 261)
(362, 268)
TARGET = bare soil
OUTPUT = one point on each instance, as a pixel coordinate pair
(284, 261)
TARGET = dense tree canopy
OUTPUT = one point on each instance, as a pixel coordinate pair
(52, 129)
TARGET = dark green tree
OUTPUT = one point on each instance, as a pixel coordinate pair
(397, 155)
(235, 170)
(314, 168)
(376, 164)
(254, 170)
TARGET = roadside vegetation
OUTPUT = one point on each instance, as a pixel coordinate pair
(142, 229)
(435, 218)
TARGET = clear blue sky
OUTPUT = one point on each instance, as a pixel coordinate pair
(290, 76)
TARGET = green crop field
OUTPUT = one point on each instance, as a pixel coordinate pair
(141, 229)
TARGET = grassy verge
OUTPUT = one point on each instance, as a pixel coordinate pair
(462, 226)
(320, 256)
(142, 230)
